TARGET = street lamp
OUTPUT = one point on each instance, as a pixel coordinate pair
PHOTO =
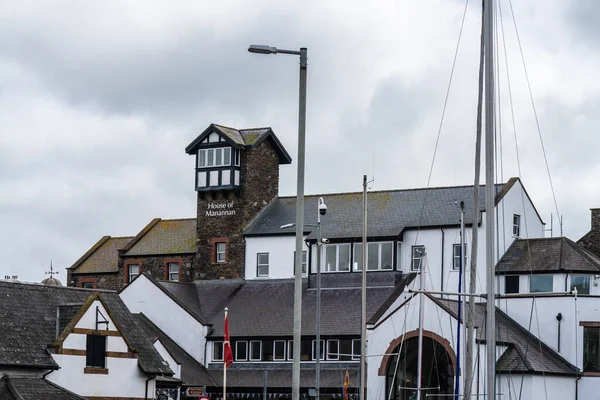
(261, 49)
(322, 210)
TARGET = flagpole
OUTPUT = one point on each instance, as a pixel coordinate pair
(227, 354)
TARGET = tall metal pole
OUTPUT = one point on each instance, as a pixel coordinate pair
(420, 342)
(318, 342)
(363, 308)
(474, 229)
(299, 227)
(490, 195)
(461, 300)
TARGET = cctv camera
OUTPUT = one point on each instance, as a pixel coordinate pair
(322, 206)
(324, 240)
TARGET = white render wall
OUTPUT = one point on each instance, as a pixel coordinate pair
(124, 378)
(537, 387)
(281, 255)
(142, 296)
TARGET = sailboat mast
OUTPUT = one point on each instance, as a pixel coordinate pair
(363, 297)
(490, 195)
(470, 312)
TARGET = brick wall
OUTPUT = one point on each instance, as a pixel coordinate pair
(259, 182)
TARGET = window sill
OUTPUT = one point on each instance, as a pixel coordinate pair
(592, 374)
(95, 370)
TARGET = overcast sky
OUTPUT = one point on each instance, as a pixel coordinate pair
(99, 99)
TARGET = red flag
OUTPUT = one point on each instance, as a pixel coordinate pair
(227, 353)
(346, 384)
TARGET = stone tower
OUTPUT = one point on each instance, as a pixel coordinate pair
(237, 174)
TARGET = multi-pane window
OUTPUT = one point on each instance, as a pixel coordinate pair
(581, 283)
(591, 349)
(279, 350)
(456, 256)
(87, 285)
(511, 284)
(173, 273)
(540, 283)
(380, 256)
(304, 262)
(333, 349)
(133, 270)
(241, 350)
(220, 250)
(95, 351)
(321, 350)
(217, 351)
(262, 264)
(337, 257)
(255, 350)
(516, 225)
(219, 157)
(417, 256)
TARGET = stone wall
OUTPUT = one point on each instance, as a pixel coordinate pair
(259, 184)
(591, 240)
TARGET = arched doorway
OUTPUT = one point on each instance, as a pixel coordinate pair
(437, 372)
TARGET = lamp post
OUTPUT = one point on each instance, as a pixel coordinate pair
(322, 210)
(261, 49)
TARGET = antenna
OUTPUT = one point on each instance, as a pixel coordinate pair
(561, 226)
(551, 230)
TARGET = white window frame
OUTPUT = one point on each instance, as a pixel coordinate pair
(259, 350)
(284, 350)
(220, 252)
(169, 272)
(516, 232)
(213, 152)
(333, 356)
(456, 258)
(304, 262)
(314, 349)
(379, 256)
(337, 257)
(259, 265)
(355, 342)
(215, 344)
(129, 274)
(399, 256)
(413, 258)
(236, 350)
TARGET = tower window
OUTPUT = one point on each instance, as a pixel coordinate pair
(221, 249)
(219, 157)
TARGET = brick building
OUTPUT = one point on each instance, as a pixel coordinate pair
(236, 176)
(591, 240)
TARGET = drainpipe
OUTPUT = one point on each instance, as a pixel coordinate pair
(577, 387)
(442, 274)
(559, 318)
(146, 392)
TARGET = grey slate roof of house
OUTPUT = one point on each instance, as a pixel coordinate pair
(30, 388)
(545, 255)
(242, 138)
(26, 332)
(102, 257)
(264, 308)
(525, 352)
(389, 212)
(164, 236)
(241, 375)
(192, 372)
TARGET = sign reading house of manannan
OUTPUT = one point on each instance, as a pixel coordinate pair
(220, 209)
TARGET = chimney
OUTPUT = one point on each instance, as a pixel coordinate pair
(595, 219)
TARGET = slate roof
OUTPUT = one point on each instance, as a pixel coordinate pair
(389, 212)
(525, 352)
(241, 375)
(27, 332)
(30, 388)
(192, 372)
(164, 236)
(253, 311)
(242, 138)
(103, 257)
(525, 256)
